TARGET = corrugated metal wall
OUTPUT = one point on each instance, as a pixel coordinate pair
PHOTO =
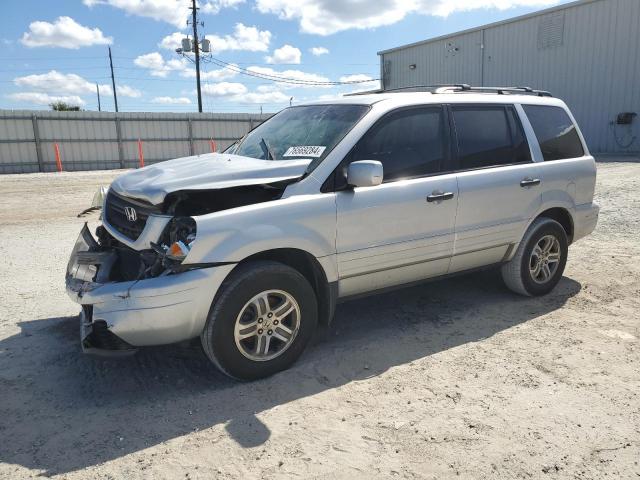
(95, 141)
(586, 53)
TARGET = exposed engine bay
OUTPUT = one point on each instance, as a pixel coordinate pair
(110, 260)
(141, 201)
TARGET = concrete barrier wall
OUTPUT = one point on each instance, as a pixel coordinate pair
(102, 141)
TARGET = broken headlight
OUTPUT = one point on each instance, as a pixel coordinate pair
(179, 235)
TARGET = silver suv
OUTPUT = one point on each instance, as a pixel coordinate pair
(251, 248)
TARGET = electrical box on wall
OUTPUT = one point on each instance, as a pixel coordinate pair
(625, 118)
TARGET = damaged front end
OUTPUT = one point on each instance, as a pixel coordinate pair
(135, 298)
(131, 278)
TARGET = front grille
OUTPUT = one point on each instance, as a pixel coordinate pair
(116, 217)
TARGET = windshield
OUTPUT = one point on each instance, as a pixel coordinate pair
(300, 132)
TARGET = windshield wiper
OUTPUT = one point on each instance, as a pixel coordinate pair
(269, 152)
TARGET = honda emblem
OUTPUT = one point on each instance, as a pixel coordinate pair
(131, 214)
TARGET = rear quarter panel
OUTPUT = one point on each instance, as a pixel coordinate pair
(567, 183)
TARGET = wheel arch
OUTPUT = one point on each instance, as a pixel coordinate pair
(309, 266)
(563, 217)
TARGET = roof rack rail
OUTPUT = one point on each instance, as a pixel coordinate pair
(466, 88)
(428, 88)
(499, 90)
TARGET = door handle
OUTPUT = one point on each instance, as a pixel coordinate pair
(529, 182)
(439, 196)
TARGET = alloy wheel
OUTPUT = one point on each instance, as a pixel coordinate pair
(267, 325)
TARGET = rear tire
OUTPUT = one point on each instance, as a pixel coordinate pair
(261, 320)
(539, 261)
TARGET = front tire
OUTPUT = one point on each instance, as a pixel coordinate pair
(539, 261)
(261, 320)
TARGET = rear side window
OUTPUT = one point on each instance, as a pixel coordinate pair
(555, 131)
(409, 143)
(489, 136)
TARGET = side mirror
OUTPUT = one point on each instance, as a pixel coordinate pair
(365, 173)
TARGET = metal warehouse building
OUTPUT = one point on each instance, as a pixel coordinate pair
(585, 52)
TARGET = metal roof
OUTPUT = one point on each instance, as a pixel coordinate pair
(564, 6)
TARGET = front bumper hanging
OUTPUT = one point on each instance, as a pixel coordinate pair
(119, 316)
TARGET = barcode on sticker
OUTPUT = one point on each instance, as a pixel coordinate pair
(305, 151)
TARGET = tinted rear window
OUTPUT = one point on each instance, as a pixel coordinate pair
(489, 136)
(555, 131)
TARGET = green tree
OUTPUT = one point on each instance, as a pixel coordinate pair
(64, 107)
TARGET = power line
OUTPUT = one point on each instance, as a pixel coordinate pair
(282, 79)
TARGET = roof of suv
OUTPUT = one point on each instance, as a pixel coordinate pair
(408, 98)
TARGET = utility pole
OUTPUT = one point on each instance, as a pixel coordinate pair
(113, 79)
(196, 50)
(98, 92)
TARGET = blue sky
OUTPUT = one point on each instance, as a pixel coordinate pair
(58, 49)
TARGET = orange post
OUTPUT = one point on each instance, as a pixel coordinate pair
(58, 161)
(212, 142)
(140, 154)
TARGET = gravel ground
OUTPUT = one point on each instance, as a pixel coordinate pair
(452, 378)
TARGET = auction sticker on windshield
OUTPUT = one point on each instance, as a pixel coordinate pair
(305, 151)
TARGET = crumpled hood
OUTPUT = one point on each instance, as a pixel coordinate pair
(204, 172)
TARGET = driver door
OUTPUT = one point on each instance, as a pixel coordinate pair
(402, 230)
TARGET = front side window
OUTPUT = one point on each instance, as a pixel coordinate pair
(555, 131)
(408, 143)
(310, 131)
(489, 136)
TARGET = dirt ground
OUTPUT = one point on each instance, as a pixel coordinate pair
(457, 378)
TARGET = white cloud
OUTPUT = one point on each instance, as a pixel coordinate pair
(285, 54)
(263, 94)
(444, 8)
(127, 91)
(317, 51)
(152, 61)
(215, 75)
(171, 100)
(223, 89)
(174, 12)
(325, 17)
(69, 84)
(60, 83)
(39, 98)
(243, 38)
(262, 97)
(220, 74)
(158, 66)
(173, 41)
(214, 6)
(65, 32)
(268, 88)
(291, 74)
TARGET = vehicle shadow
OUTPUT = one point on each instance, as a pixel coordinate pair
(61, 411)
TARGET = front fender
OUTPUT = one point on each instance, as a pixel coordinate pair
(305, 222)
